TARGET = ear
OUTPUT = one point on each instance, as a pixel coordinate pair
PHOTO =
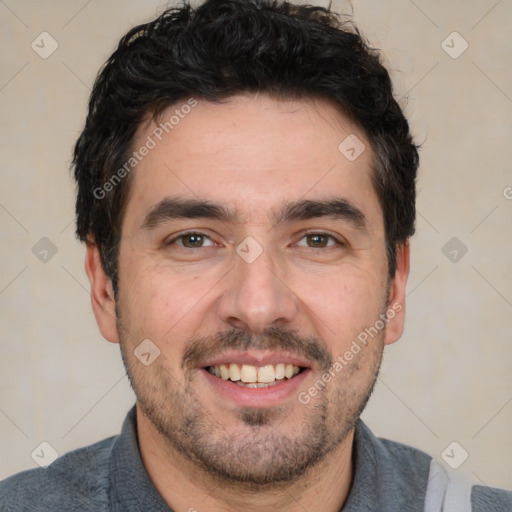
(102, 294)
(396, 297)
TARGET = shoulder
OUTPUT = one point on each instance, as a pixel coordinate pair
(76, 481)
(490, 499)
(407, 472)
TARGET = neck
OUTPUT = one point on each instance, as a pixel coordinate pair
(184, 486)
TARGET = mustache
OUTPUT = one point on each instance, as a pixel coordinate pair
(273, 339)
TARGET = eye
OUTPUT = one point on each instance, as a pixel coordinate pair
(191, 241)
(318, 240)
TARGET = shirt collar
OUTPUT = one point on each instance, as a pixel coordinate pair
(388, 476)
(131, 489)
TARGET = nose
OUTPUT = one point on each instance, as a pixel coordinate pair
(257, 296)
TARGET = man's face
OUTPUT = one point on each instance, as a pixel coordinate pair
(285, 265)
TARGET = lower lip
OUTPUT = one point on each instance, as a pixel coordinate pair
(256, 397)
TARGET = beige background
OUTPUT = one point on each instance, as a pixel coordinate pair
(448, 379)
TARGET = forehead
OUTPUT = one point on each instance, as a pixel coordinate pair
(252, 153)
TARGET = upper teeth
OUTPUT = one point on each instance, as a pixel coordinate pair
(250, 373)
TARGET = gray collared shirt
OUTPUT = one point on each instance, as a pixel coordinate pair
(110, 476)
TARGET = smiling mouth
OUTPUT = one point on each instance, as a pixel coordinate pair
(250, 376)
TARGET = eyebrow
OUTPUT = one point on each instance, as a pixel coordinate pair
(171, 208)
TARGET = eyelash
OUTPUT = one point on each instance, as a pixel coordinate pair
(173, 240)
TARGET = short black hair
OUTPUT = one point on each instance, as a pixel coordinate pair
(226, 47)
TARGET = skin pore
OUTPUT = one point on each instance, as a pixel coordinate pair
(252, 166)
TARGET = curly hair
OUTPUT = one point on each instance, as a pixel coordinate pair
(227, 47)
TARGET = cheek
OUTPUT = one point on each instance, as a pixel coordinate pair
(342, 304)
(159, 300)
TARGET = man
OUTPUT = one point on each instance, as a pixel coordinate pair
(246, 191)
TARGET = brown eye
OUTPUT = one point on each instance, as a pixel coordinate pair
(318, 241)
(191, 241)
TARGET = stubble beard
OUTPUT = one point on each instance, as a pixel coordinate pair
(255, 450)
(263, 456)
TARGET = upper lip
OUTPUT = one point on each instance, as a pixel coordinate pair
(256, 359)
